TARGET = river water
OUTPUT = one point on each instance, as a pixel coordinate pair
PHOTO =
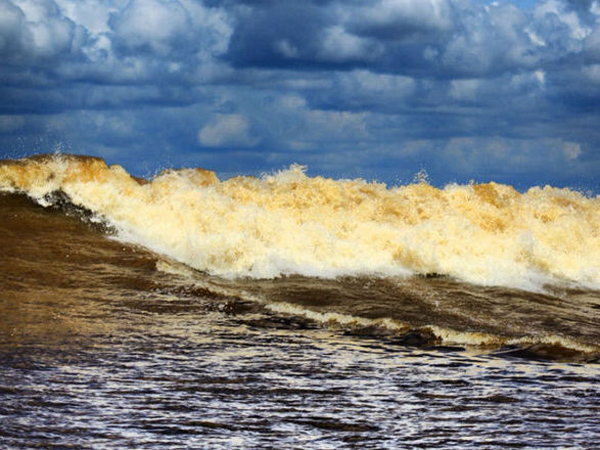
(106, 345)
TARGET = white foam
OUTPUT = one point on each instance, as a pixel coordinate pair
(290, 223)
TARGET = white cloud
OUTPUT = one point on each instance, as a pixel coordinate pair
(491, 41)
(343, 126)
(422, 14)
(36, 10)
(558, 9)
(114, 41)
(465, 90)
(287, 49)
(292, 101)
(534, 37)
(477, 155)
(365, 90)
(11, 25)
(525, 82)
(35, 29)
(338, 45)
(592, 45)
(380, 86)
(151, 24)
(592, 73)
(228, 130)
(93, 15)
(11, 123)
(571, 150)
(540, 75)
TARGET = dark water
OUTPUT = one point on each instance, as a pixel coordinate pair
(99, 349)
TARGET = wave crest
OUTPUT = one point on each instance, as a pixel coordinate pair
(289, 222)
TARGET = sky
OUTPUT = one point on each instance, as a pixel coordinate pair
(462, 90)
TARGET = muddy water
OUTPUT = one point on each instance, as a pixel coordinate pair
(101, 349)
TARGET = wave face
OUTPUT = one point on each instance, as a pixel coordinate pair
(289, 223)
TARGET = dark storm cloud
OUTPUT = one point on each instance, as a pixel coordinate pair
(427, 38)
(378, 88)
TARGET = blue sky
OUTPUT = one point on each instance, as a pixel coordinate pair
(378, 89)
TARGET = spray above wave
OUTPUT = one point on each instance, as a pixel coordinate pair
(291, 223)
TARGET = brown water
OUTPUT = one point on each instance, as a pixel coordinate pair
(105, 344)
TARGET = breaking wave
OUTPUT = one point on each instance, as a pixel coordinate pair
(289, 223)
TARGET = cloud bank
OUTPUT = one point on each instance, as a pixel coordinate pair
(466, 89)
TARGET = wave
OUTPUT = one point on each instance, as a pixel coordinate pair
(289, 223)
(416, 312)
(50, 253)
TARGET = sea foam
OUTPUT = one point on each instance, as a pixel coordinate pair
(290, 223)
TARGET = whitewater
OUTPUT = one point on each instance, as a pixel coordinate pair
(288, 223)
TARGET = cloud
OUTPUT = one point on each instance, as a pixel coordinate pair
(277, 34)
(440, 37)
(401, 19)
(11, 123)
(592, 47)
(36, 31)
(152, 27)
(227, 130)
(377, 88)
(12, 21)
(571, 150)
(338, 46)
(110, 42)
